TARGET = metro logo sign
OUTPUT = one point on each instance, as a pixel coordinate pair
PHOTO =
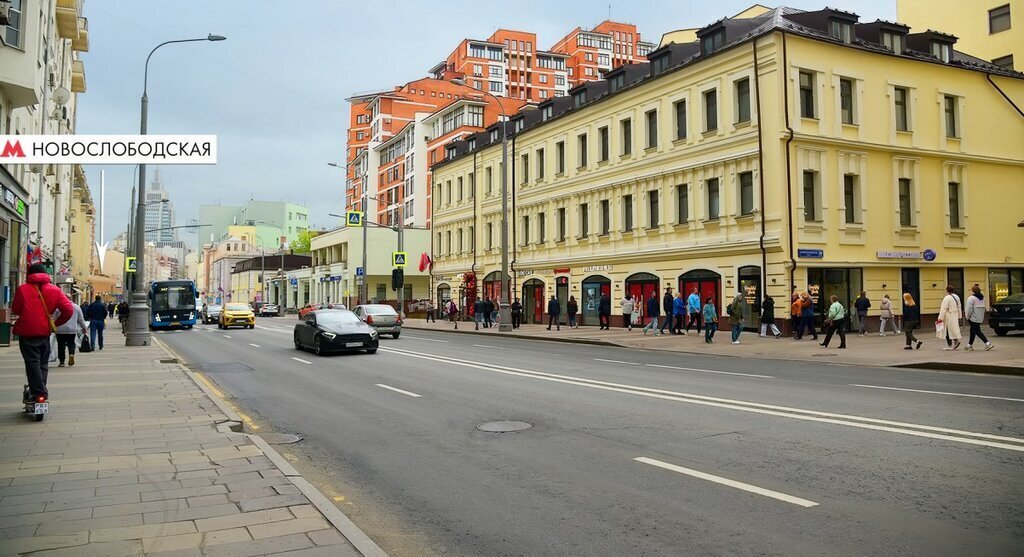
(12, 149)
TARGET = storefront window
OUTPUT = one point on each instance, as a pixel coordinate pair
(640, 286)
(750, 287)
(593, 287)
(1004, 282)
(845, 284)
(707, 283)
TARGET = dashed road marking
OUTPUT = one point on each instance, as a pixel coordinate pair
(301, 360)
(390, 388)
(726, 481)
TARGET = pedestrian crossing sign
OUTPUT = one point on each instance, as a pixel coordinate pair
(130, 264)
(354, 218)
(398, 258)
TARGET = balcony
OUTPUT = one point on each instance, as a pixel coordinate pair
(81, 43)
(68, 13)
(77, 76)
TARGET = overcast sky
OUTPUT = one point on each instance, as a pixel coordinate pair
(274, 92)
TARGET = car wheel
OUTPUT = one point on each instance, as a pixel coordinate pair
(298, 345)
(1000, 331)
(316, 347)
(395, 335)
(371, 351)
(252, 326)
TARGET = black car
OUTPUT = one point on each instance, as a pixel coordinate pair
(334, 330)
(1007, 315)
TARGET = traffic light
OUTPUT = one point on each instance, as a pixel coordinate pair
(397, 279)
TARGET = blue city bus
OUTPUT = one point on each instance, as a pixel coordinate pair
(172, 304)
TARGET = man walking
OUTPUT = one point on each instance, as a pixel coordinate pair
(430, 312)
(479, 308)
(836, 321)
(553, 312)
(34, 304)
(627, 312)
(975, 313)
(604, 312)
(666, 306)
(488, 313)
(67, 336)
(453, 313)
(96, 314)
(517, 313)
(861, 304)
(653, 312)
(693, 308)
(679, 313)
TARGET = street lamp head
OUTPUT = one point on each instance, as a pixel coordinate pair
(216, 38)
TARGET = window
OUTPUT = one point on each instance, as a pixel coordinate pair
(542, 232)
(660, 64)
(841, 30)
(893, 41)
(713, 201)
(906, 201)
(12, 36)
(950, 103)
(851, 199)
(471, 193)
(682, 203)
(540, 164)
(652, 128)
(900, 99)
(496, 71)
(579, 98)
(439, 245)
(584, 220)
(743, 100)
(560, 157)
(998, 19)
(606, 217)
(525, 158)
(448, 192)
(494, 86)
(526, 230)
(490, 235)
(627, 213)
(846, 100)
(448, 241)
(589, 57)
(581, 142)
(811, 198)
(459, 188)
(617, 82)
(954, 205)
(626, 129)
(478, 70)
(458, 240)
(542, 78)
(680, 107)
(710, 110)
(942, 51)
(712, 42)
(1005, 62)
(653, 209)
(489, 180)
(561, 224)
(807, 95)
(746, 193)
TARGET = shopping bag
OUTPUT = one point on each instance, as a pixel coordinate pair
(53, 348)
(83, 343)
(940, 330)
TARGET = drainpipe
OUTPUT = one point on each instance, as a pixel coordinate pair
(988, 76)
(789, 169)
(760, 174)
(473, 268)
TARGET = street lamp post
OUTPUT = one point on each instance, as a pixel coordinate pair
(138, 315)
(363, 293)
(280, 247)
(504, 309)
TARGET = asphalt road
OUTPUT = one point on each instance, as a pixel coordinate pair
(631, 452)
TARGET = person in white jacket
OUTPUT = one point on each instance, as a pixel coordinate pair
(949, 315)
(975, 314)
(67, 336)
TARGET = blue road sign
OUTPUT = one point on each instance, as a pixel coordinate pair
(360, 272)
(354, 218)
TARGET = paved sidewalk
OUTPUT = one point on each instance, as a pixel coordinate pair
(135, 458)
(1007, 357)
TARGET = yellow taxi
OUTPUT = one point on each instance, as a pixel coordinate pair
(236, 315)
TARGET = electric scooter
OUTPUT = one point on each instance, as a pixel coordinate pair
(36, 406)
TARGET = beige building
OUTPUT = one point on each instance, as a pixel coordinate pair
(992, 30)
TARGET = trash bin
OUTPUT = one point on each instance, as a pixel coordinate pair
(5, 334)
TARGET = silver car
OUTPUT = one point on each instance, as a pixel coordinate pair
(211, 313)
(382, 317)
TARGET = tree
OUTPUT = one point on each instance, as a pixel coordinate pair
(301, 242)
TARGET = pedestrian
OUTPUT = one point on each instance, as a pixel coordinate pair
(885, 317)
(807, 316)
(34, 303)
(96, 314)
(627, 312)
(453, 313)
(768, 317)
(571, 309)
(948, 323)
(604, 312)
(736, 318)
(710, 314)
(110, 310)
(836, 322)
(479, 308)
(975, 314)
(488, 313)
(517, 313)
(666, 305)
(554, 310)
(911, 320)
(430, 312)
(122, 315)
(693, 309)
(794, 315)
(679, 314)
(861, 304)
(67, 336)
(653, 313)
(494, 312)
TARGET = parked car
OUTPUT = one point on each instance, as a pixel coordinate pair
(334, 330)
(237, 315)
(1007, 314)
(382, 317)
(268, 310)
(304, 310)
(211, 314)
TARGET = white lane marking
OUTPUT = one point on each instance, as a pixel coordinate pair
(726, 481)
(712, 371)
(616, 362)
(426, 339)
(301, 360)
(940, 393)
(414, 395)
(491, 347)
(862, 422)
(227, 336)
(255, 345)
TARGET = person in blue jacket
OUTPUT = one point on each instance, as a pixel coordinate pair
(679, 311)
(693, 307)
(96, 314)
(554, 310)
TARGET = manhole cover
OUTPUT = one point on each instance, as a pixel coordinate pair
(280, 438)
(168, 360)
(504, 426)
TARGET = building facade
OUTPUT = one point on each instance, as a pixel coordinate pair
(605, 47)
(992, 30)
(276, 223)
(790, 151)
(159, 213)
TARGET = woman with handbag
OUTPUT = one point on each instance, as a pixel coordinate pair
(67, 337)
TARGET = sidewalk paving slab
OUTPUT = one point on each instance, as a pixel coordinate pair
(137, 457)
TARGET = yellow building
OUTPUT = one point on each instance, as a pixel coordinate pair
(81, 220)
(992, 30)
(790, 150)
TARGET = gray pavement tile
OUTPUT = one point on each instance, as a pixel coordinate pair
(328, 551)
(330, 536)
(262, 482)
(260, 547)
(196, 482)
(244, 519)
(203, 473)
(143, 531)
(182, 493)
(240, 477)
(120, 472)
(207, 500)
(194, 552)
(7, 510)
(23, 489)
(191, 513)
(137, 488)
(47, 496)
(84, 525)
(110, 549)
(95, 502)
(286, 489)
(259, 504)
(40, 543)
(15, 532)
(139, 508)
(180, 542)
(252, 493)
(235, 462)
(196, 466)
(242, 467)
(41, 518)
(54, 478)
(286, 527)
(100, 482)
(273, 473)
(165, 477)
(231, 535)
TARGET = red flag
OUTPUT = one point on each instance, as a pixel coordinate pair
(425, 262)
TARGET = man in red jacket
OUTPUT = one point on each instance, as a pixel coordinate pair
(34, 304)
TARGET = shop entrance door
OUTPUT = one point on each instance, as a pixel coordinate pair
(640, 286)
(750, 287)
(593, 288)
(562, 293)
(708, 284)
(533, 301)
(910, 281)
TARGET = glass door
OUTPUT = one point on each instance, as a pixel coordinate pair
(593, 288)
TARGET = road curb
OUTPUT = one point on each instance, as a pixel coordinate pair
(965, 367)
(332, 513)
(517, 335)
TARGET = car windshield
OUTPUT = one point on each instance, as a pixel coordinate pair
(1013, 299)
(213, 308)
(336, 318)
(238, 307)
(380, 309)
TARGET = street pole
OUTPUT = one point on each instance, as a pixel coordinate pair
(504, 309)
(363, 294)
(401, 289)
(138, 315)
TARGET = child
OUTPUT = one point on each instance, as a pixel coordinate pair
(710, 320)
